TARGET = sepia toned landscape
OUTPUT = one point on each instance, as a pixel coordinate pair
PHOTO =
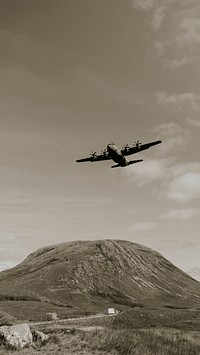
(102, 297)
(99, 177)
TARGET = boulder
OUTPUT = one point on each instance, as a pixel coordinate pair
(39, 336)
(17, 336)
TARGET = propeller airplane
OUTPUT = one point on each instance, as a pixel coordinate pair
(119, 155)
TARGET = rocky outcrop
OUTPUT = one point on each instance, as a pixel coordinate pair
(16, 336)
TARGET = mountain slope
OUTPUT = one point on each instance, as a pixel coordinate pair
(79, 272)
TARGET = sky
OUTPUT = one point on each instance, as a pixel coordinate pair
(74, 76)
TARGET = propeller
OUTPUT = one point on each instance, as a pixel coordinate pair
(126, 146)
(93, 154)
(137, 144)
(104, 151)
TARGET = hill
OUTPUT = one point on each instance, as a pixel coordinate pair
(83, 273)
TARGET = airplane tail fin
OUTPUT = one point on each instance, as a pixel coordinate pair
(134, 161)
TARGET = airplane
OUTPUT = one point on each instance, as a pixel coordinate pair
(119, 155)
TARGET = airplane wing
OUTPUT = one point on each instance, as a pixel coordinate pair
(138, 147)
(94, 157)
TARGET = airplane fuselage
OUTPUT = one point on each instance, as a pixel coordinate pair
(116, 155)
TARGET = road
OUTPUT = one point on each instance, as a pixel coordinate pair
(101, 315)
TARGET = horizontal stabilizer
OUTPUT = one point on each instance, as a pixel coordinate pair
(115, 166)
(134, 161)
(129, 163)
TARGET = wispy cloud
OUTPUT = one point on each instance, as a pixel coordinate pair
(170, 180)
(182, 214)
(193, 122)
(185, 187)
(179, 62)
(186, 107)
(143, 226)
(177, 28)
(150, 172)
(189, 100)
(189, 30)
(158, 17)
(182, 182)
(155, 9)
(143, 4)
(173, 135)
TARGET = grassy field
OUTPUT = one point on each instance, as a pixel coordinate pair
(145, 341)
(141, 331)
(36, 311)
(117, 342)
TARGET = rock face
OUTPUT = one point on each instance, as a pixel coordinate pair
(83, 272)
(17, 336)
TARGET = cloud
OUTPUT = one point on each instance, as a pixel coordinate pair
(189, 31)
(172, 134)
(178, 62)
(156, 11)
(158, 17)
(180, 214)
(181, 101)
(169, 179)
(143, 4)
(177, 28)
(182, 182)
(143, 226)
(185, 187)
(194, 122)
(149, 172)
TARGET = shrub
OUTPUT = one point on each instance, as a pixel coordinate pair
(72, 331)
(5, 297)
(141, 342)
(53, 339)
